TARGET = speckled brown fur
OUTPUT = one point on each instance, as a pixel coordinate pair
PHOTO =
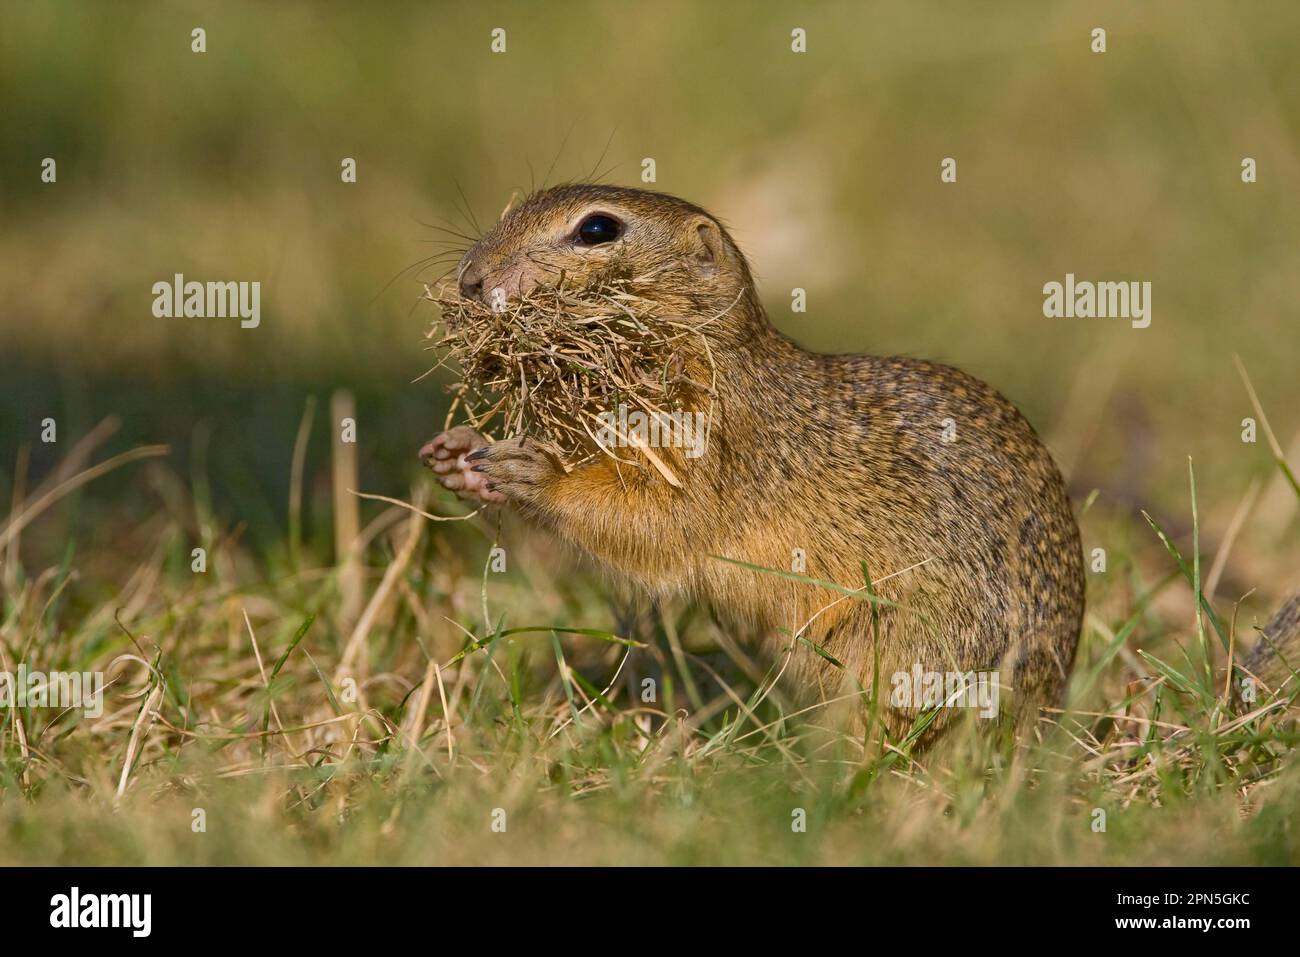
(842, 456)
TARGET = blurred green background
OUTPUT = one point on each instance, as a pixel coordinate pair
(226, 166)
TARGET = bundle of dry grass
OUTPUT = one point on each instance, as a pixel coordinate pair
(549, 364)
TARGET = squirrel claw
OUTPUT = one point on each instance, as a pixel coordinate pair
(514, 468)
(446, 455)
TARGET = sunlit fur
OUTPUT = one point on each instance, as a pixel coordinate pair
(840, 456)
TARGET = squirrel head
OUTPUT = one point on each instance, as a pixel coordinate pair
(585, 233)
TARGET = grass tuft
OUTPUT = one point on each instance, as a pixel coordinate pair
(549, 363)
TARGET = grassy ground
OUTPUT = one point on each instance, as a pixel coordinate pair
(412, 704)
(226, 166)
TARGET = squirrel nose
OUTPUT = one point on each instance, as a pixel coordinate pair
(471, 282)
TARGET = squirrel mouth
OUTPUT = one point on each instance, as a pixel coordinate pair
(551, 362)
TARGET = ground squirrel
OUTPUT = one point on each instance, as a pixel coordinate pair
(914, 473)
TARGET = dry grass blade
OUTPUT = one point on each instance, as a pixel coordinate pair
(559, 356)
(148, 711)
(357, 642)
(20, 521)
(411, 508)
(1274, 446)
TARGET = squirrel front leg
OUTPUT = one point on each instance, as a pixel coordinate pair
(630, 521)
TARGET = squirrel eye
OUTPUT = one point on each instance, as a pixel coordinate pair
(597, 229)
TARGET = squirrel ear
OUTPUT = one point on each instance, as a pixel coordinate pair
(709, 248)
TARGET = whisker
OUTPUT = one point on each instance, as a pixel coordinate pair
(451, 232)
(603, 154)
(564, 142)
(419, 264)
(468, 212)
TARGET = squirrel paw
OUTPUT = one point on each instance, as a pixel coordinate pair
(446, 455)
(518, 469)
